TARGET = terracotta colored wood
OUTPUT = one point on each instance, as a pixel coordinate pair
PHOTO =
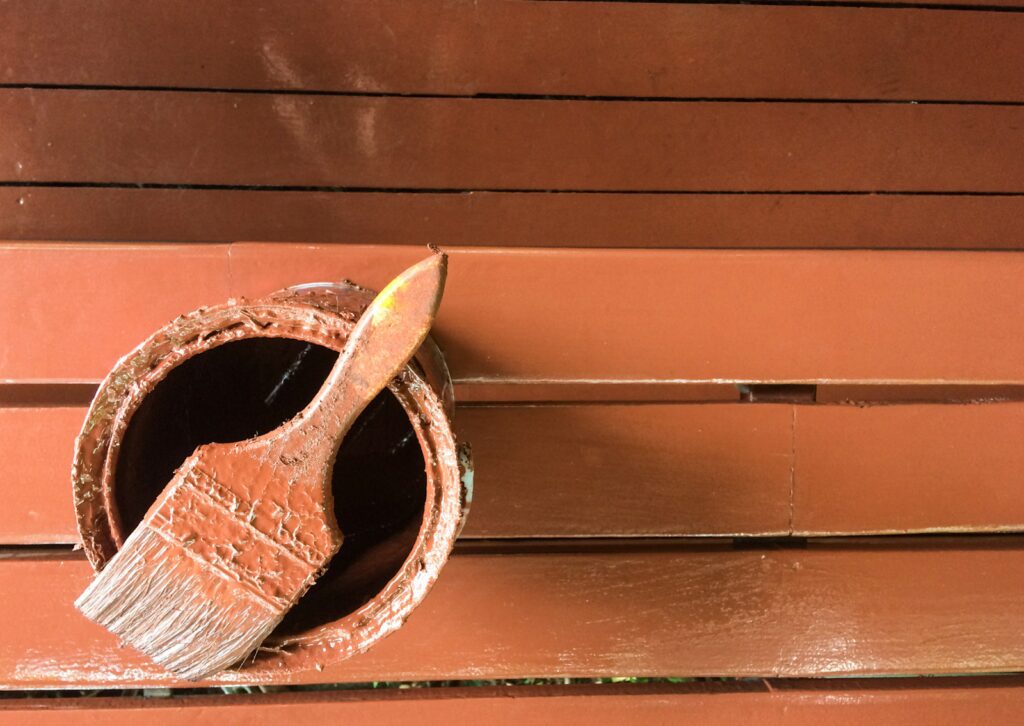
(853, 393)
(35, 457)
(937, 606)
(495, 46)
(909, 468)
(514, 219)
(658, 470)
(913, 701)
(654, 315)
(562, 471)
(620, 469)
(74, 136)
(702, 315)
(74, 310)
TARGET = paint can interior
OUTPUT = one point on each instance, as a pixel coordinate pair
(230, 372)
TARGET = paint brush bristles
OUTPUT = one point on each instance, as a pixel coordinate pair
(244, 529)
(152, 574)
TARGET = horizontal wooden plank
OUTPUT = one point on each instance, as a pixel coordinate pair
(514, 219)
(909, 468)
(657, 470)
(913, 701)
(35, 474)
(631, 316)
(692, 470)
(514, 47)
(73, 136)
(72, 311)
(944, 606)
(568, 471)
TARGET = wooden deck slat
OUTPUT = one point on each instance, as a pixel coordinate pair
(509, 219)
(496, 46)
(654, 315)
(73, 136)
(622, 470)
(71, 312)
(909, 468)
(944, 606)
(936, 701)
(657, 470)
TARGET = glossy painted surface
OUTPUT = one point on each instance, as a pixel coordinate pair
(911, 701)
(660, 469)
(658, 315)
(597, 125)
(933, 606)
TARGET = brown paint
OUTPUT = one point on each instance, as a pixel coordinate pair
(940, 605)
(76, 136)
(625, 469)
(911, 701)
(516, 220)
(323, 315)
(690, 315)
(245, 528)
(909, 468)
(576, 48)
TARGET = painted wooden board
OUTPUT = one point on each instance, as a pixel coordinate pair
(657, 470)
(909, 468)
(515, 47)
(73, 311)
(36, 447)
(511, 219)
(563, 315)
(300, 141)
(549, 471)
(937, 701)
(940, 606)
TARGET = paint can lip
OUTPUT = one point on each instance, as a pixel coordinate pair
(319, 313)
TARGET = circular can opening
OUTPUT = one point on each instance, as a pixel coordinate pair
(229, 373)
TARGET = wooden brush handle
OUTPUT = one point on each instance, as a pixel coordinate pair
(387, 335)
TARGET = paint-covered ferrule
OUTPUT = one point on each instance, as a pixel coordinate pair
(387, 569)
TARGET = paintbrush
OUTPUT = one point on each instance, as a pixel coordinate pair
(243, 529)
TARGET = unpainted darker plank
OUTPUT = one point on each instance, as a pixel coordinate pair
(232, 139)
(632, 316)
(515, 47)
(945, 606)
(913, 701)
(511, 219)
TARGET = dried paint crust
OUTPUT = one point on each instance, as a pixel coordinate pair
(323, 314)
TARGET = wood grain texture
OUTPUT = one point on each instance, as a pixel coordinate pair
(514, 47)
(938, 701)
(652, 315)
(74, 136)
(941, 607)
(511, 219)
(909, 468)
